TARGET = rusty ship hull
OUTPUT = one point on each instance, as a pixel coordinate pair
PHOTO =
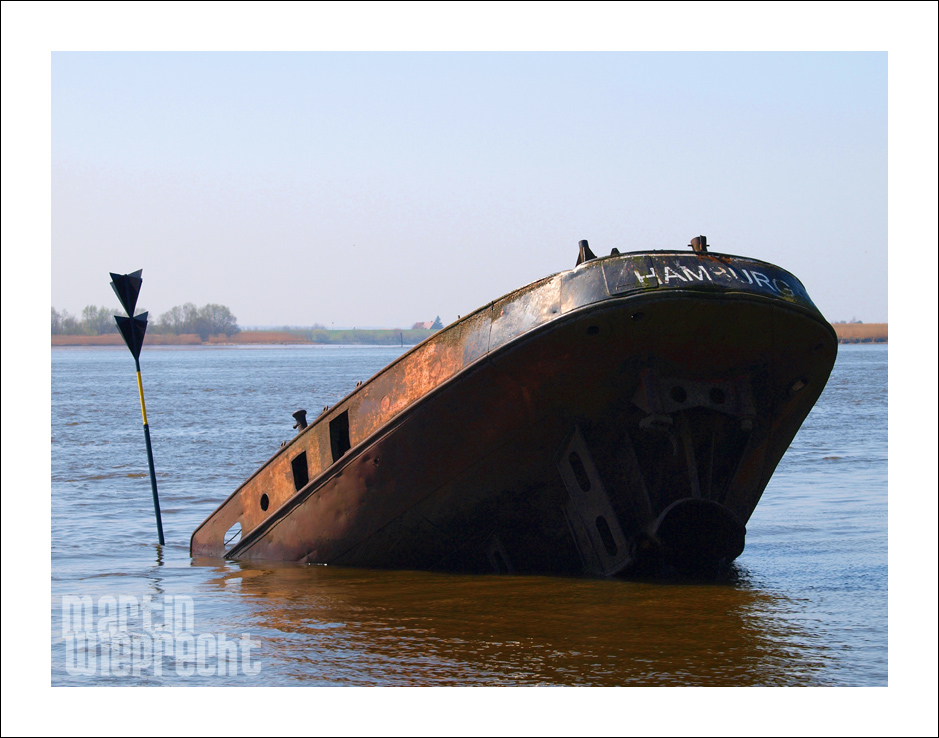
(623, 416)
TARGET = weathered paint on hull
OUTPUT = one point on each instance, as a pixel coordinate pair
(623, 415)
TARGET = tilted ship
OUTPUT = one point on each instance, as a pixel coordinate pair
(621, 417)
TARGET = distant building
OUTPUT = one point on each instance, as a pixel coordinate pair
(423, 326)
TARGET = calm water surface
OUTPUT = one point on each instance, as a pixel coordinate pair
(805, 604)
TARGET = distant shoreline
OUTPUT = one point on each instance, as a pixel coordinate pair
(846, 332)
(861, 332)
(317, 337)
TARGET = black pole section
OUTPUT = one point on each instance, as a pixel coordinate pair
(146, 433)
(133, 329)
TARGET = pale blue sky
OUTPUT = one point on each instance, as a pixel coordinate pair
(378, 189)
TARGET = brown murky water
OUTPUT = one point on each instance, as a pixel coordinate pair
(363, 627)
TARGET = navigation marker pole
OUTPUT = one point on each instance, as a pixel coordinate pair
(133, 328)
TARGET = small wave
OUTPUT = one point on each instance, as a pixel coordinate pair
(100, 477)
(832, 458)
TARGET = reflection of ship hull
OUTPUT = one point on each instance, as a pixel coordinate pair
(625, 414)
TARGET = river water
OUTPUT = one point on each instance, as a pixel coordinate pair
(805, 604)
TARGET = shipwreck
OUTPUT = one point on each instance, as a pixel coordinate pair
(621, 417)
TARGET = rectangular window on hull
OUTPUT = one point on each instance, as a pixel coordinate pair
(339, 435)
(301, 474)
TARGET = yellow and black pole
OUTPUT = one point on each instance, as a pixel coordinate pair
(133, 329)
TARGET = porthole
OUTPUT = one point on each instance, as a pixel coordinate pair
(606, 535)
(580, 472)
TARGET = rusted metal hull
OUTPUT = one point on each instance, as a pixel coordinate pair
(623, 416)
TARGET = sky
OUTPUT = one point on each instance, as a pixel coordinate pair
(381, 189)
(393, 183)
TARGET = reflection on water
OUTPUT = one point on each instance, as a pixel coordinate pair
(328, 625)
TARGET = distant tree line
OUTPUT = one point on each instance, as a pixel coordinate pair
(94, 321)
(209, 320)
